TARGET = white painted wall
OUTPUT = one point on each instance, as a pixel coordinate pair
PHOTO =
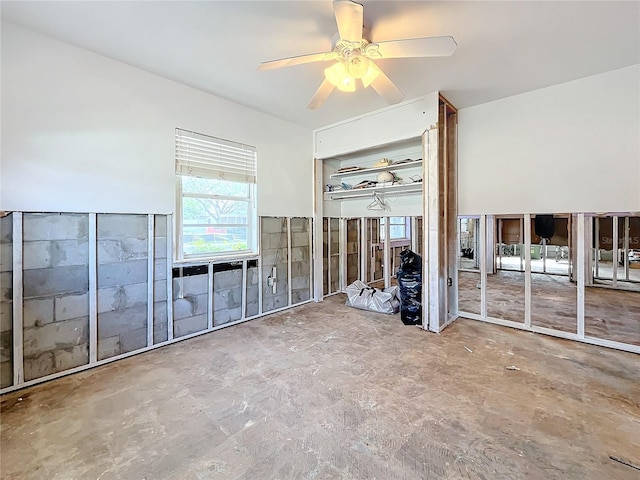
(81, 132)
(573, 147)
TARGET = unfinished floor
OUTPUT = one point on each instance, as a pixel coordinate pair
(609, 314)
(327, 392)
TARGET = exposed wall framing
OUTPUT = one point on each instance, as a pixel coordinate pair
(82, 290)
(592, 321)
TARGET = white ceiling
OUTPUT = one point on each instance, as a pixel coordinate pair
(504, 48)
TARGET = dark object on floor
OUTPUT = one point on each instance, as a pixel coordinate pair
(619, 460)
(467, 253)
(545, 226)
(410, 283)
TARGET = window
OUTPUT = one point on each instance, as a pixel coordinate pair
(398, 227)
(216, 191)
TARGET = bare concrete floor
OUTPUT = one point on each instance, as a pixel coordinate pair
(609, 314)
(324, 391)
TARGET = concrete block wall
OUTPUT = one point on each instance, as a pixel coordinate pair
(6, 300)
(160, 303)
(300, 260)
(227, 294)
(122, 252)
(55, 292)
(274, 250)
(56, 286)
(252, 296)
(190, 304)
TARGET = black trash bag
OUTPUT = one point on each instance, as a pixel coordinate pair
(410, 283)
(544, 226)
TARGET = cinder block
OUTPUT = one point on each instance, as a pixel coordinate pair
(300, 239)
(252, 308)
(160, 269)
(123, 273)
(160, 312)
(71, 306)
(252, 276)
(119, 226)
(160, 333)
(55, 281)
(300, 224)
(55, 226)
(160, 224)
(228, 279)
(202, 305)
(298, 283)
(6, 229)
(189, 325)
(160, 247)
(133, 340)
(227, 299)
(278, 240)
(45, 254)
(6, 346)
(252, 293)
(299, 254)
(120, 321)
(225, 316)
(275, 302)
(298, 296)
(6, 316)
(37, 312)
(194, 285)
(119, 298)
(6, 257)
(109, 251)
(189, 306)
(121, 250)
(299, 269)
(70, 357)
(269, 258)
(134, 248)
(38, 366)
(272, 224)
(108, 347)
(6, 374)
(159, 290)
(56, 335)
(6, 286)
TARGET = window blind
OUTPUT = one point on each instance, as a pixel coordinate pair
(199, 155)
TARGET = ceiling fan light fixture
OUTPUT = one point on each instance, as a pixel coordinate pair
(372, 73)
(357, 65)
(339, 77)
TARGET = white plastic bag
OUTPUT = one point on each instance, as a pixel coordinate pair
(360, 295)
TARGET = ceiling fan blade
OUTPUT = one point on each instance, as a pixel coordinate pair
(349, 19)
(290, 61)
(387, 89)
(321, 94)
(417, 47)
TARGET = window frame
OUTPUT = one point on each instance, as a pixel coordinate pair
(407, 228)
(251, 224)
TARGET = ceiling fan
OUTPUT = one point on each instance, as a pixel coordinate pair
(353, 57)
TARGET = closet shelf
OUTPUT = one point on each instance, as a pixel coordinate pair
(367, 192)
(364, 171)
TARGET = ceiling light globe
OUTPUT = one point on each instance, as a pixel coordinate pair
(357, 65)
